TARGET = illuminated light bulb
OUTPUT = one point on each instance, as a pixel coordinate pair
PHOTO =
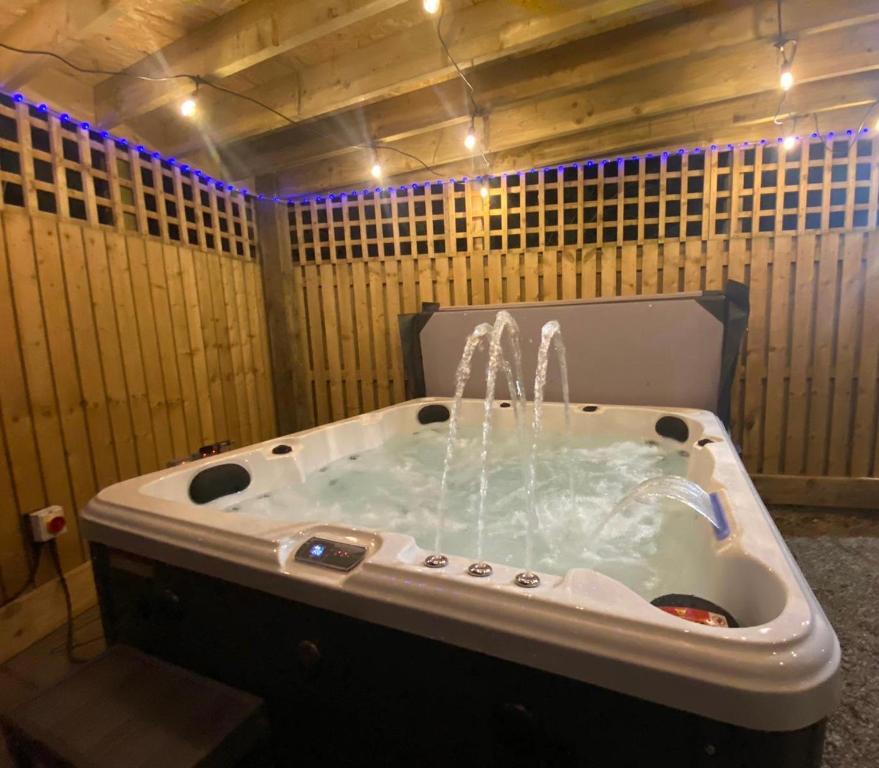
(787, 77)
(483, 190)
(789, 142)
(470, 139)
(188, 107)
(876, 124)
(431, 6)
(376, 170)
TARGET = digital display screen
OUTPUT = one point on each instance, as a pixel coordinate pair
(331, 554)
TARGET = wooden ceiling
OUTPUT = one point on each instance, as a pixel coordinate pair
(555, 80)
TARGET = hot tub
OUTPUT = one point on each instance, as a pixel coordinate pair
(248, 566)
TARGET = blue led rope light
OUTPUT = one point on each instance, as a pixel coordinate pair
(221, 185)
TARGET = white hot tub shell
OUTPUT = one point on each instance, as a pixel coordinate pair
(777, 672)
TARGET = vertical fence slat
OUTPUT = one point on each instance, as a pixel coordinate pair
(329, 321)
(379, 331)
(864, 440)
(88, 357)
(800, 357)
(777, 358)
(851, 294)
(822, 365)
(182, 347)
(755, 356)
(347, 334)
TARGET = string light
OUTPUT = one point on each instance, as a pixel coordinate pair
(470, 138)
(789, 143)
(786, 74)
(786, 80)
(431, 6)
(378, 172)
(198, 80)
(188, 107)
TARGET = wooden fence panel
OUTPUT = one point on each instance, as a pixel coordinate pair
(104, 369)
(804, 397)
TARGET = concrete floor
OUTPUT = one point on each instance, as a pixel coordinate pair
(837, 551)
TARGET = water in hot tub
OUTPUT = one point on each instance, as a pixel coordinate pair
(580, 479)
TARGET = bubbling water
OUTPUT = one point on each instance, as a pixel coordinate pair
(394, 488)
(552, 501)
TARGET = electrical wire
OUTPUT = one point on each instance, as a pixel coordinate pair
(31, 577)
(199, 80)
(862, 124)
(471, 92)
(68, 604)
(92, 71)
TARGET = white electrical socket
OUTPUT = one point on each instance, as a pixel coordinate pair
(47, 523)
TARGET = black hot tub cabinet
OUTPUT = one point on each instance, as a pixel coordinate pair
(366, 657)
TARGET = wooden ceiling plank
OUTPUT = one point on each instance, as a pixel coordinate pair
(54, 25)
(715, 124)
(633, 99)
(708, 28)
(413, 59)
(242, 38)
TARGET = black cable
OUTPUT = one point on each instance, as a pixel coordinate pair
(31, 577)
(308, 127)
(68, 603)
(200, 80)
(862, 124)
(471, 93)
(90, 71)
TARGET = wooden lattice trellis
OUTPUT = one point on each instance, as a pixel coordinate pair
(63, 167)
(822, 184)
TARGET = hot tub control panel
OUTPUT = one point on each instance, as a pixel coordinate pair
(330, 554)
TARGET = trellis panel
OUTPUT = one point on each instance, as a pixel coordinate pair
(825, 183)
(64, 167)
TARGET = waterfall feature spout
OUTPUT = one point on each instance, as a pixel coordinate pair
(462, 376)
(676, 489)
(504, 324)
(550, 337)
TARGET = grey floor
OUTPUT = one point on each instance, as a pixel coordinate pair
(840, 559)
(838, 553)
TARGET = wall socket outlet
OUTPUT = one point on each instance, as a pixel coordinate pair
(47, 523)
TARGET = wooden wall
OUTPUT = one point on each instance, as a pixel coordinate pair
(132, 330)
(798, 226)
(119, 353)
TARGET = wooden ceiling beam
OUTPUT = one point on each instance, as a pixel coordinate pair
(243, 38)
(707, 28)
(666, 132)
(410, 60)
(54, 25)
(679, 85)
